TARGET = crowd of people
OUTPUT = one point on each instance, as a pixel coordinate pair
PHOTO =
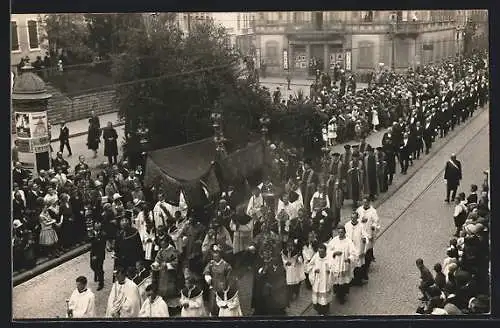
(461, 284)
(287, 232)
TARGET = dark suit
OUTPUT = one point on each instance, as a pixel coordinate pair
(64, 139)
(18, 176)
(472, 198)
(97, 255)
(452, 175)
(404, 154)
(427, 134)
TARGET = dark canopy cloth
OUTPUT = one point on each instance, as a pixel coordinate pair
(190, 167)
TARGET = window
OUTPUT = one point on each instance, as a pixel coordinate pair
(14, 37)
(33, 34)
(272, 54)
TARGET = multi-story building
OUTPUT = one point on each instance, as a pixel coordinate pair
(186, 20)
(358, 40)
(27, 38)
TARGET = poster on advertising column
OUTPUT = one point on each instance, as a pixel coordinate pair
(38, 124)
(348, 65)
(23, 130)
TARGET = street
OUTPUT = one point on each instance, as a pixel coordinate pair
(415, 223)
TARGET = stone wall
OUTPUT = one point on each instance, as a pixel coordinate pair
(76, 108)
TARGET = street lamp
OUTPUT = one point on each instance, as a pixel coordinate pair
(267, 185)
(219, 138)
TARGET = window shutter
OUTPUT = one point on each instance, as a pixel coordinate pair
(33, 34)
(14, 39)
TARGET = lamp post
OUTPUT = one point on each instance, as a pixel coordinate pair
(267, 186)
(393, 45)
(219, 138)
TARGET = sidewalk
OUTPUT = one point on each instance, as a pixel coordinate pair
(300, 82)
(80, 127)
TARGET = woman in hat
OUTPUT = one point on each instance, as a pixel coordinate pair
(67, 224)
(48, 236)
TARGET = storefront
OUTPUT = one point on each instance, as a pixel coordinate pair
(315, 50)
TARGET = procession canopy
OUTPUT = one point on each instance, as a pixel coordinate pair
(192, 167)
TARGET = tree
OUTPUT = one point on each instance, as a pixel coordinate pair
(68, 32)
(185, 78)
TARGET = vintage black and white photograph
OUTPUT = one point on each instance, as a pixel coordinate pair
(249, 164)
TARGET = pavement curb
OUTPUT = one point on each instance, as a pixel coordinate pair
(79, 134)
(50, 264)
(416, 168)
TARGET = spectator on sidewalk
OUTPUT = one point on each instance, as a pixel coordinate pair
(64, 139)
(94, 134)
(110, 144)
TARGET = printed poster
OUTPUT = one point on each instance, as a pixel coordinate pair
(38, 124)
(23, 130)
(285, 59)
(348, 60)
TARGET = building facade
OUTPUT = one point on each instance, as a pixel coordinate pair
(27, 38)
(288, 42)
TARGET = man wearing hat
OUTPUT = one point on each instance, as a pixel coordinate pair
(452, 175)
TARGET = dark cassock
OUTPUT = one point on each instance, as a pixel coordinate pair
(355, 180)
(371, 174)
(452, 175)
(128, 248)
(382, 178)
(345, 159)
(269, 295)
(308, 184)
(336, 196)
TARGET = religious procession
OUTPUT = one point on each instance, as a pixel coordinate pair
(168, 262)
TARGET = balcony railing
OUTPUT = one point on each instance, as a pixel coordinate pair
(355, 27)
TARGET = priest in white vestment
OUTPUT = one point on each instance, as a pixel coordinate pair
(342, 252)
(125, 299)
(192, 300)
(356, 233)
(371, 223)
(163, 211)
(154, 306)
(81, 303)
(320, 274)
(228, 300)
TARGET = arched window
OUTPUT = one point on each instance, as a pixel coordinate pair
(272, 54)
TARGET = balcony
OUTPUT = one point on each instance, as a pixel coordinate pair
(415, 28)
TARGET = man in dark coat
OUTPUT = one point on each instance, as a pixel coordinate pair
(64, 138)
(405, 149)
(110, 145)
(428, 133)
(419, 140)
(452, 175)
(98, 253)
(388, 148)
(371, 174)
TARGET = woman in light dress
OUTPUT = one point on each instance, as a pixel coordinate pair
(375, 120)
